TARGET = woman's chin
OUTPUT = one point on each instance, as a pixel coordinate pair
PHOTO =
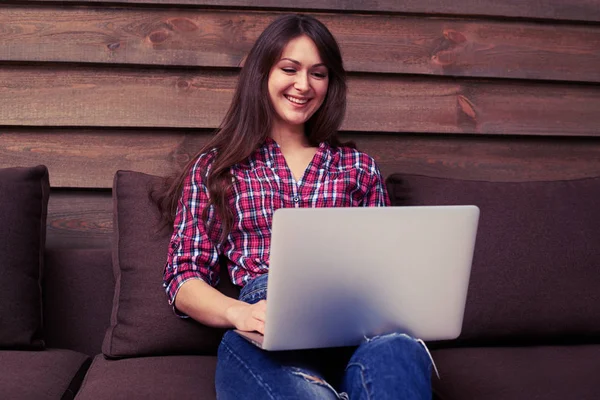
(295, 122)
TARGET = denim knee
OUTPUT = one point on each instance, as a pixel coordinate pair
(245, 371)
(389, 366)
(398, 344)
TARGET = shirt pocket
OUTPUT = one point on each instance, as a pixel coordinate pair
(344, 188)
(256, 197)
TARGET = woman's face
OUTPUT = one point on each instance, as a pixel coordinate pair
(297, 83)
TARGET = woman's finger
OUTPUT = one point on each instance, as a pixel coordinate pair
(259, 326)
(259, 315)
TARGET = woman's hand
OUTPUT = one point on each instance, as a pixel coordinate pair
(248, 317)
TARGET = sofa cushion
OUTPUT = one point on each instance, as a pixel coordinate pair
(45, 374)
(545, 372)
(142, 322)
(74, 319)
(535, 269)
(169, 377)
(23, 208)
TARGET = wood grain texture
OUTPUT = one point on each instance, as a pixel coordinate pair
(89, 159)
(79, 219)
(370, 43)
(581, 10)
(514, 159)
(36, 96)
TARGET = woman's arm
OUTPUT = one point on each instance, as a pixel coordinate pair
(377, 195)
(208, 306)
(192, 267)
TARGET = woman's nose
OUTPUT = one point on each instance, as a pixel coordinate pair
(301, 83)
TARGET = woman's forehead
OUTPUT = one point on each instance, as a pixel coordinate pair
(301, 50)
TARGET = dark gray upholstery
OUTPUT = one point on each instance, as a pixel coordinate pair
(23, 208)
(517, 373)
(44, 374)
(169, 377)
(78, 293)
(536, 268)
(140, 304)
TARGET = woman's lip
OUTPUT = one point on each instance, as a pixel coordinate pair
(296, 98)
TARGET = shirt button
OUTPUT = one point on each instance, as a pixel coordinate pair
(296, 199)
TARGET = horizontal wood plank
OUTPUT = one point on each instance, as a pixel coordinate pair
(370, 43)
(35, 96)
(581, 10)
(89, 159)
(79, 219)
(514, 159)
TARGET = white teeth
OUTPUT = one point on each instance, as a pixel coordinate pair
(297, 101)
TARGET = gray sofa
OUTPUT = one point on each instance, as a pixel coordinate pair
(94, 324)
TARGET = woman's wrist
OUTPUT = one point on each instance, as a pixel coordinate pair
(234, 311)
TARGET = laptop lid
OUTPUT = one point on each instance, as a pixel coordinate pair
(337, 275)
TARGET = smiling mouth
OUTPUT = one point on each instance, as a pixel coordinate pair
(296, 100)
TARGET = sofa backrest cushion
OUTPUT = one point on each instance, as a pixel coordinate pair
(23, 208)
(536, 267)
(78, 287)
(142, 322)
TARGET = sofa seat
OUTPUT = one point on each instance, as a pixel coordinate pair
(507, 373)
(167, 377)
(44, 374)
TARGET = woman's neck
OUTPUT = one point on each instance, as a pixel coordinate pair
(289, 137)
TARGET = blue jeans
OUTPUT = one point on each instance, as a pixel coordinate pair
(393, 366)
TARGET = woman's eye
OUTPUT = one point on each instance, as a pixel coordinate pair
(319, 75)
(288, 70)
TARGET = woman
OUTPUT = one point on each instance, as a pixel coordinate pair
(278, 147)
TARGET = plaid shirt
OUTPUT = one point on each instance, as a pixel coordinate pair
(336, 177)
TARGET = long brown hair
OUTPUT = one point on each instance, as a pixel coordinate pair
(248, 120)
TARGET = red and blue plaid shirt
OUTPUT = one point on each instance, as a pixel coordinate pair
(336, 177)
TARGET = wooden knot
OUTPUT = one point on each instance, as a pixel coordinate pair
(444, 58)
(454, 36)
(449, 48)
(182, 24)
(467, 107)
(158, 36)
(182, 158)
(183, 84)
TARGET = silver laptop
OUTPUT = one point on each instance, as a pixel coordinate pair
(337, 275)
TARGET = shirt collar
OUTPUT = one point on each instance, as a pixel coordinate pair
(271, 151)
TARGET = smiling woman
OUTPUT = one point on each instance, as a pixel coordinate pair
(297, 85)
(277, 147)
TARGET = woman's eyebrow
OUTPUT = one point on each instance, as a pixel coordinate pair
(299, 63)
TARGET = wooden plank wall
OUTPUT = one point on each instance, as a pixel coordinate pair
(477, 89)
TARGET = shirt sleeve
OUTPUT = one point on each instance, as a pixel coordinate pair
(192, 254)
(376, 195)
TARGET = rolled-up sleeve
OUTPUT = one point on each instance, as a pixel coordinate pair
(376, 195)
(192, 254)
